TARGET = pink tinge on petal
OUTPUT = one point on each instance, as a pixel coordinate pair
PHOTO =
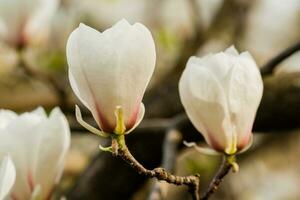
(103, 122)
(244, 141)
(214, 144)
(106, 126)
(30, 181)
(132, 120)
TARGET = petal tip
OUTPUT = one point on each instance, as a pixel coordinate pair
(232, 51)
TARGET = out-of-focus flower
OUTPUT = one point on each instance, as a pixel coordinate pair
(110, 71)
(221, 94)
(264, 36)
(24, 22)
(37, 145)
(8, 59)
(7, 177)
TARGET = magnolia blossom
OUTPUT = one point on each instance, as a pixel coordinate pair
(221, 94)
(109, 71)
(37, 145)
(26, 21)
(7, 176)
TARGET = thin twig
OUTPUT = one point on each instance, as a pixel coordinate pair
(271, 64)
(218, 178)
(120, 150)
(171, 141)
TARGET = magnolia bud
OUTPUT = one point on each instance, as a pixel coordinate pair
(26, 22)
(109, 72)
(221, 94)
(37, 145)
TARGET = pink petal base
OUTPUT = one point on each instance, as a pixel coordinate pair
(109, 128)
(244, 142)
(214, 144)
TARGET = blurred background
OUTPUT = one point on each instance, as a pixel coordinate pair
(33, 72)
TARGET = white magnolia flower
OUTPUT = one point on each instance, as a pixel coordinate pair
(26, 21)
(110, 71)
(37, 145)
(221, 94)
(7, 177)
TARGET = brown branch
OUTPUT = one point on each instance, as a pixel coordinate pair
(120, 150)
(271, 64)
(58, 89)
(218, 178)
(171, 141)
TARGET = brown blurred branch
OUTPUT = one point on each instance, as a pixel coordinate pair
(271, 64)
(172, 139)
(49, 80)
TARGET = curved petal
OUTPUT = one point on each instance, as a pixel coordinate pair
(245, 91)
(88, 126)
(56, 134)
(218, 64)
(139, 118)
(202, 149)
(78, 67)
(247, 146)
(20, 139)
(7, 176)
(205, 103)
(6, 116)
(111, 69)
(231, 51)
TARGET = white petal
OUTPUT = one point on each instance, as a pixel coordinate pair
(111, 68)
(37, 145)
(205, 103)
(218, 64)
(232, 51)
(7, 176)
(88, 126)
(20, 139)
(244, 95)
(77, 69)
(6, 117)
(40, 112)
(37, 28)
(52, 148)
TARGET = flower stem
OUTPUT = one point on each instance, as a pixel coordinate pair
(228, 163)
(120, 150)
